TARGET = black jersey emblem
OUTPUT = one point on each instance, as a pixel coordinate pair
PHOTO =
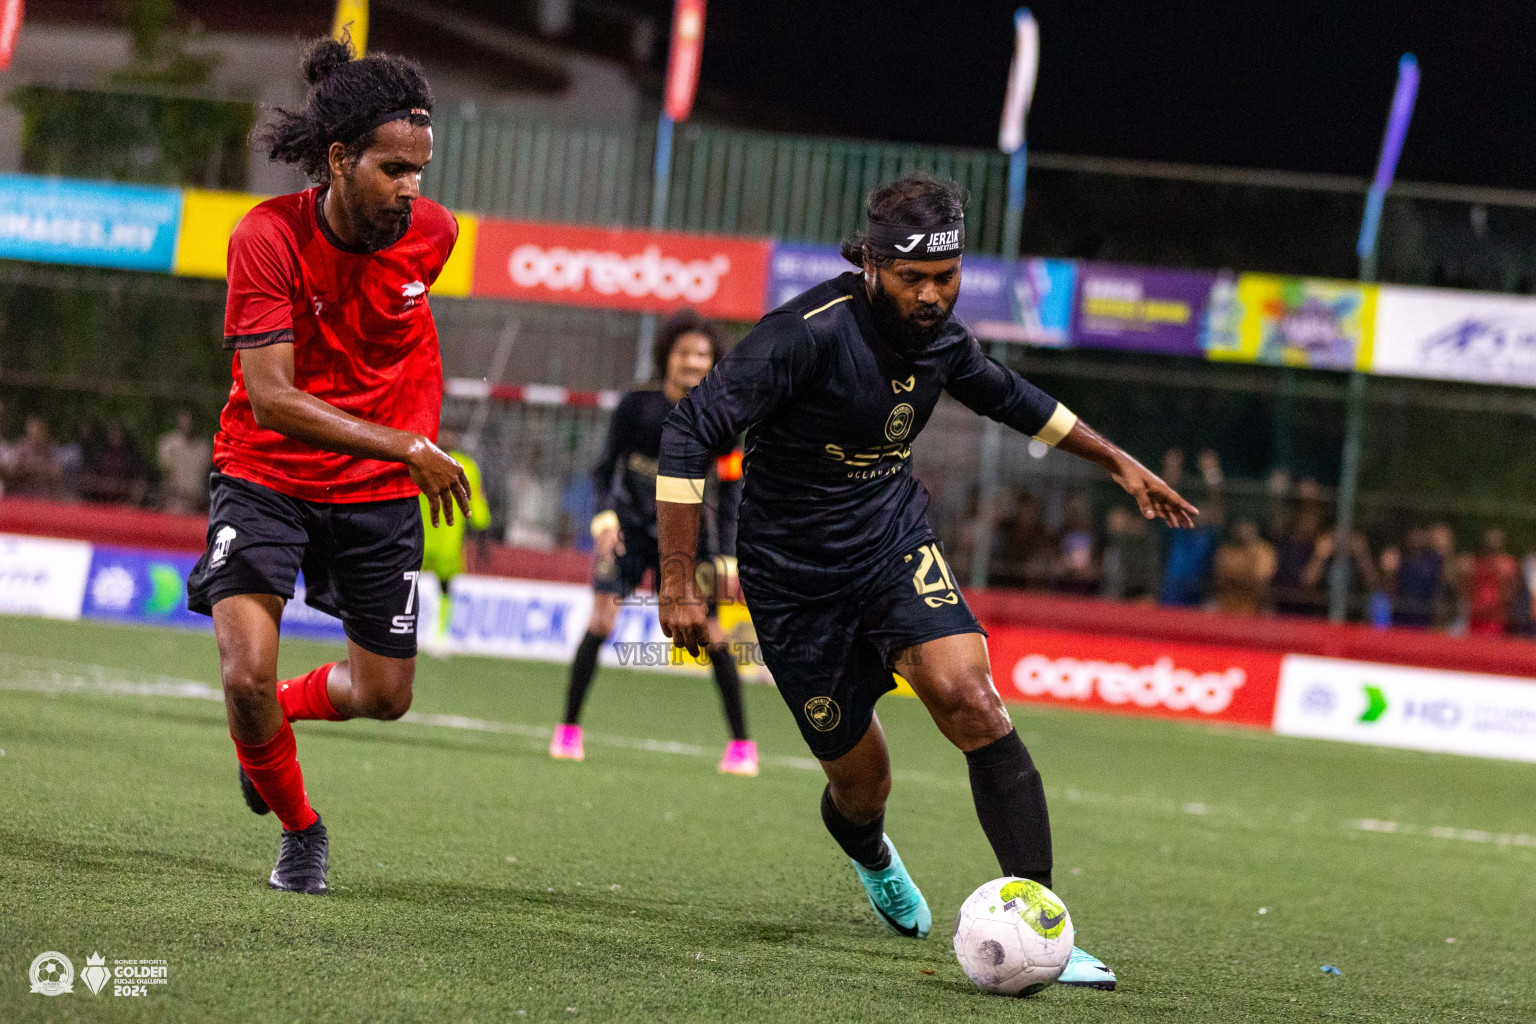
(899, 423)
(823, 713)
(897, 387)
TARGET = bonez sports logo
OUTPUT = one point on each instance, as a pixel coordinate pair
(221, 543)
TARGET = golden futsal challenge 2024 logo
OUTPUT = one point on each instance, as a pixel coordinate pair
(53, 974)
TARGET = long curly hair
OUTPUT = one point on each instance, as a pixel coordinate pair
(684, 321)
(346, 97)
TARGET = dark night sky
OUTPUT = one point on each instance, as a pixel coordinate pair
(1294, 86)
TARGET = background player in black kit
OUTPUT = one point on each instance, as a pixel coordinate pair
(845, 577)
(624, 530)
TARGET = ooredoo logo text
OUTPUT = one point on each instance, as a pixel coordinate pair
(646, 274)
(1161, 683)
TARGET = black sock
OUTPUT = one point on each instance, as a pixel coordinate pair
(583, 668)
(729, 682)
(1010, 801)
(864, 843)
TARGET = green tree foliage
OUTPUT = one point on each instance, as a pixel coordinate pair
(147, 122)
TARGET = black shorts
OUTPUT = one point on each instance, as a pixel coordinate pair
(832, 660)
(360, 560)
(623, 576)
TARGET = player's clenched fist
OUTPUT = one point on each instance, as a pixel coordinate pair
(440, 478)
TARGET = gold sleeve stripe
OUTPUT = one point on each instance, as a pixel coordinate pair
(680, 490)
(1058, 426)
(829, 305)
(608, 520)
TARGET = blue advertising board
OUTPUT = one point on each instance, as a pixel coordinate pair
(150, 588)
(1027, 300)
(98, 224)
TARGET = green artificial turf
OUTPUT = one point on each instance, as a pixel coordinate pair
(476, 880)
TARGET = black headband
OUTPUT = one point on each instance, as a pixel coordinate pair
(395, 115)
(899, 242)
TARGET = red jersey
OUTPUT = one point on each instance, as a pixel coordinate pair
(363, 340)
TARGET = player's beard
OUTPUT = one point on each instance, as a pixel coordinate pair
(375, 234)
(907, 335)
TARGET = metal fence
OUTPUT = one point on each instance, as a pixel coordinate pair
(723, 181)
(797, 187)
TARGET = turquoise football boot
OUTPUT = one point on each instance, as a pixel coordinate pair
(1087, 971)
(897, 901)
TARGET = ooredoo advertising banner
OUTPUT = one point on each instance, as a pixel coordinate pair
(1454, 335)
(1136, 677)
(1420, 709)
(1139, 309)
(654, 271)
(1293, 321)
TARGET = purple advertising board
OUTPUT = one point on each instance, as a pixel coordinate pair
(1141, 309)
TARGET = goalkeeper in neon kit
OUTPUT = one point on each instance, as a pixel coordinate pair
(444, 549)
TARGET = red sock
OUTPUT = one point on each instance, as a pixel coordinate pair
(273, 767)
(307, 698)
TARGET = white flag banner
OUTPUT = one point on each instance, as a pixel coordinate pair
(1021, 80)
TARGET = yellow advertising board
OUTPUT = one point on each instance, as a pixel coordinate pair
(207, 220)
(1293, 321)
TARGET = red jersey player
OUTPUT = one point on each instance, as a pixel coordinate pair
(328, 432)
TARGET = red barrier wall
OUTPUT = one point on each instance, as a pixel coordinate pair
(110, 524)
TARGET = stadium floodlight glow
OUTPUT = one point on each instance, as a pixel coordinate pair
(1022, 74)
(1391, 148)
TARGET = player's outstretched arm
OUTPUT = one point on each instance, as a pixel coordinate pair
(278, 405)
(680, 606)
(1153, 496)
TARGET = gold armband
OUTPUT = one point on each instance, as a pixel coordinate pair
(1058, 426)
(680, 490)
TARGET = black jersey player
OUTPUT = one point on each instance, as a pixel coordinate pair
(624, 530)
(843, 573)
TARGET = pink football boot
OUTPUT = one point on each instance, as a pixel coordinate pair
(740, 758)
(565, 744)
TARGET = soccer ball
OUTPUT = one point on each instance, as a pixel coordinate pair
(1013, 937)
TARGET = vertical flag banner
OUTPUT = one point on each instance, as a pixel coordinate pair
(1403, 97)
(352, 15)
(686, 55)
(1022, 74)
(10, 28)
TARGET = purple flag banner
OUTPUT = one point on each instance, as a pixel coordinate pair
(1141, 309)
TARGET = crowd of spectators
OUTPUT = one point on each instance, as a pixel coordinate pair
(103, 462)
(1279, 562)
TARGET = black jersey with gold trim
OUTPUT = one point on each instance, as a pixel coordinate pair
(830, 412)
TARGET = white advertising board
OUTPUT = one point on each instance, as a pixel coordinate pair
(1414, 708)
(39, 576)
(1455, 335)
